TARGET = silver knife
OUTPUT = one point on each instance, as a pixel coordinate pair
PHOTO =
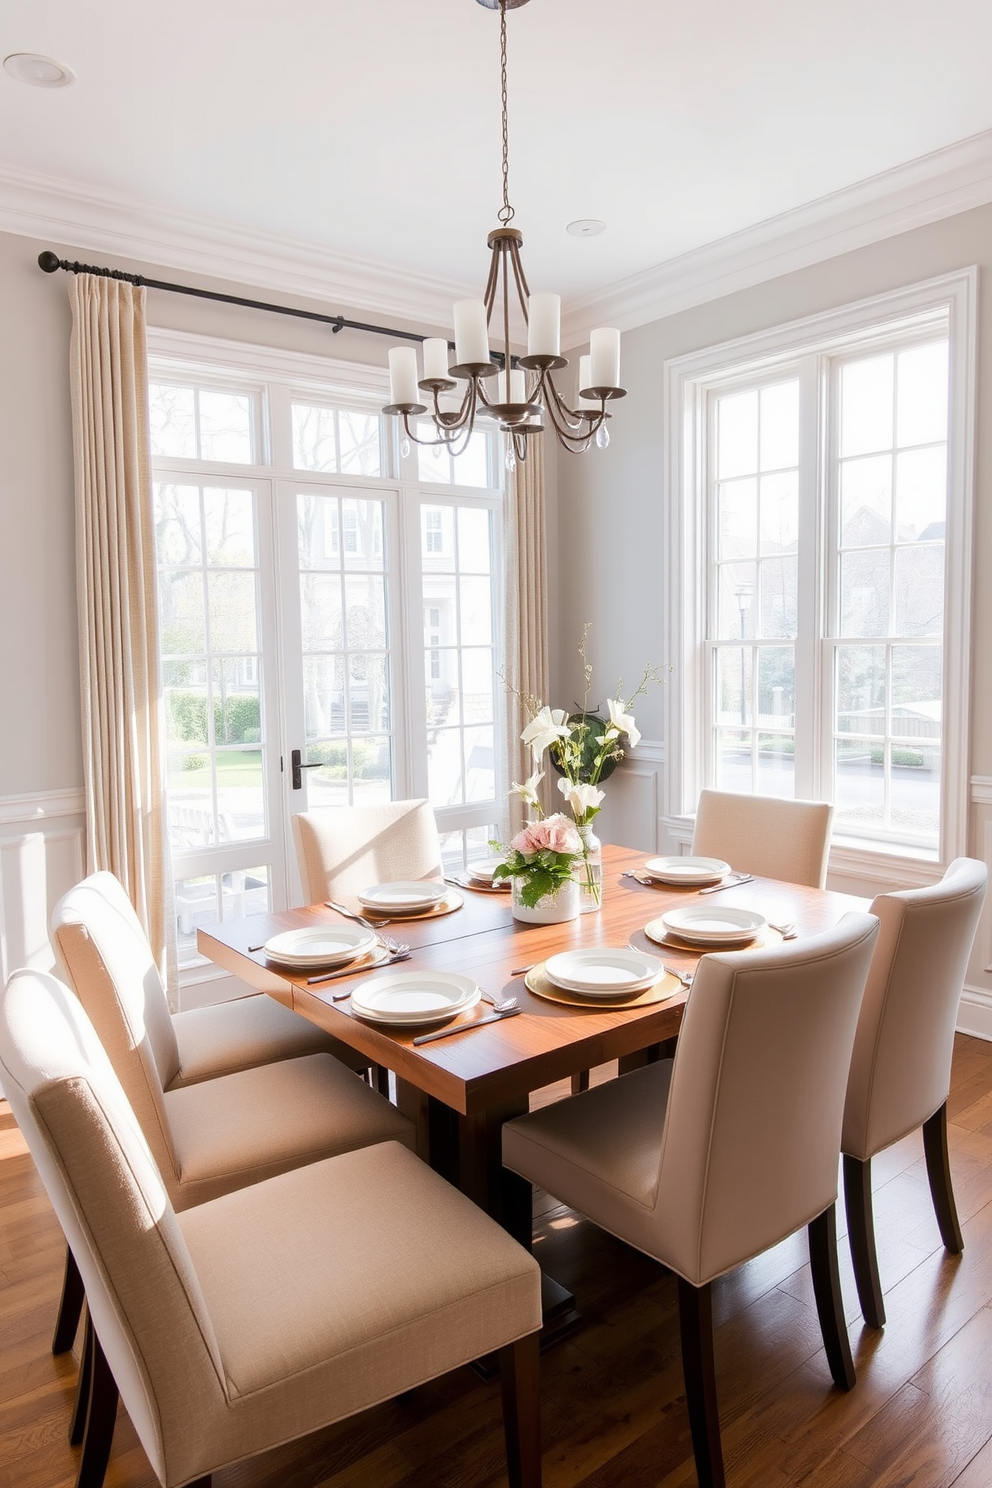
(428, 1038)
(731, 883)
(330, 976)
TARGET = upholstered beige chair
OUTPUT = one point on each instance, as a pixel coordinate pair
(765, 835)
(208, 1135)
(901, 1067)
(344, 849)
(264, 1314)
(707, 1160)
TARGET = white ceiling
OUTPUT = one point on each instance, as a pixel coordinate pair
(370, 129)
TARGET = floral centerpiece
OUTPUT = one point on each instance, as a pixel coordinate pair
(540, 864)
(584, 749)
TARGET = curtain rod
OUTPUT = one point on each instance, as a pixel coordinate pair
(50, 261)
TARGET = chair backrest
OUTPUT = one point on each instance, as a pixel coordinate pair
(752, 1131)
(345, 849)
(141, 1288)
(765, 835)
(112, 971)
(901, 1066)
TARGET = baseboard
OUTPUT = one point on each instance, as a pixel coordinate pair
(975, 1013)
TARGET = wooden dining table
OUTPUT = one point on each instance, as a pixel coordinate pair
(460, 1090)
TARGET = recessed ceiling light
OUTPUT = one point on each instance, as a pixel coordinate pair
(39, 71)
(586, 227)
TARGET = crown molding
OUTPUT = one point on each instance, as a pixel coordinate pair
(941, 184)
(87, 221)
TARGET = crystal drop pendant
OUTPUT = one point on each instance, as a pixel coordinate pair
(404, 447)
(602, 437)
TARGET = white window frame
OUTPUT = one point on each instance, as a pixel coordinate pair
(687, 381)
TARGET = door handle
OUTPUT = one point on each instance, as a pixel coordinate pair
(296, 761)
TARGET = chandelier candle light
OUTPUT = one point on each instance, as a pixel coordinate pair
(524, 392)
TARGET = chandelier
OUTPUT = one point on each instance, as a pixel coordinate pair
(519, 393)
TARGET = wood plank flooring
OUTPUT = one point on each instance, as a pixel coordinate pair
(614, 1411)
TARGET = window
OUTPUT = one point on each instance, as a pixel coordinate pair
(297, 548)
(822, 539)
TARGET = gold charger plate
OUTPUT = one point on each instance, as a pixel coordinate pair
(658, 932)
(665, 987)
(451, 901)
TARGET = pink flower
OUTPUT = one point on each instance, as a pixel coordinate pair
(554, 834)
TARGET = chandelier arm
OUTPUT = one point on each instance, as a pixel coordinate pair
(572, 419)
(427, 443)
(507, 365)
(523, 289)
(448, 423)
(489, 294)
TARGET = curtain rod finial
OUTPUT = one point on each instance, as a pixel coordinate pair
(49, 261)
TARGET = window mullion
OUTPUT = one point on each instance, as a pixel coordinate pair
(812, 675)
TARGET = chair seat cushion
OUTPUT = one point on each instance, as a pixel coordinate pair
(400, 1278)
(245, 1033)
(255, 1123)
(599, 1151)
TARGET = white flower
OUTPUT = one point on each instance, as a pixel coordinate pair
(580, 797)
(528, 791)
(547, 726)
(623, 721)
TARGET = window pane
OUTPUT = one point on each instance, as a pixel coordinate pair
(240, 795)
(172, 418)
(480, 767)
(229, 524)
(922, 395)
(916, 691)
(776, 765)
(365, 597)
(444, 767)
(372, 768)
(737, 435)
(778, 597)
(780, 426)
(237, 719)
(476, 612)
(860, 785)
(232, 608)
(866, 501)
(321, 612)
(474, 540)
(864, 592)
(860, 690)
(734, 684)
(921, 494)
(776, 686)
(225, 426)
(779, 531)
(477, 684)
(866, 405)
(434, 461)
(368, 692)
(919, 586)
(738, 518)
(323, 697)
(437, 536)
(181, 615)
(471, 468)
(177, 524)
(360, 448)
(315, 444)
(733, 760)
(738, 586)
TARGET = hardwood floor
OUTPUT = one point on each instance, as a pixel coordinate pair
(614, 1413)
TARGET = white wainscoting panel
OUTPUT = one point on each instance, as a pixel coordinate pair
(629, 814)
(42, 854)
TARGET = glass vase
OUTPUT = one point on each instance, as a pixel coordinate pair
(588, 871)
(553, 909)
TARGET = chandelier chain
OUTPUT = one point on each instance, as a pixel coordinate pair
(506, 212)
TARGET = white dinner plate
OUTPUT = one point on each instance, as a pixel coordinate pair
(686, 871)
(410, 999)
(484, 868)
(603, 971)
(412, 896)
(319, 945)
(702, 926)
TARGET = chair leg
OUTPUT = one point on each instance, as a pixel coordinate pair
(77, 1426)
(699, 1373)
(939, 1174)
(822, 1233)
(520, 1386)
(580, 1082)
(861, 1237)
(101, 1418)
(70, 1306)
(380, 1078)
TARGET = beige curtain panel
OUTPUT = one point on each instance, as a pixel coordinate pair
(526, 611)
(115, 579)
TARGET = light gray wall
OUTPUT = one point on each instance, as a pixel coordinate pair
(609, 536)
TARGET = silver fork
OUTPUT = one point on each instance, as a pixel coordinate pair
(387, 940)
(501, 1004)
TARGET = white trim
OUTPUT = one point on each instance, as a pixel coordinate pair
(934, 186)
(648, 752)
(86, 220)
(981, 790)
(43, 805)
(194, 354)
(684, 380)
(975, 1013)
